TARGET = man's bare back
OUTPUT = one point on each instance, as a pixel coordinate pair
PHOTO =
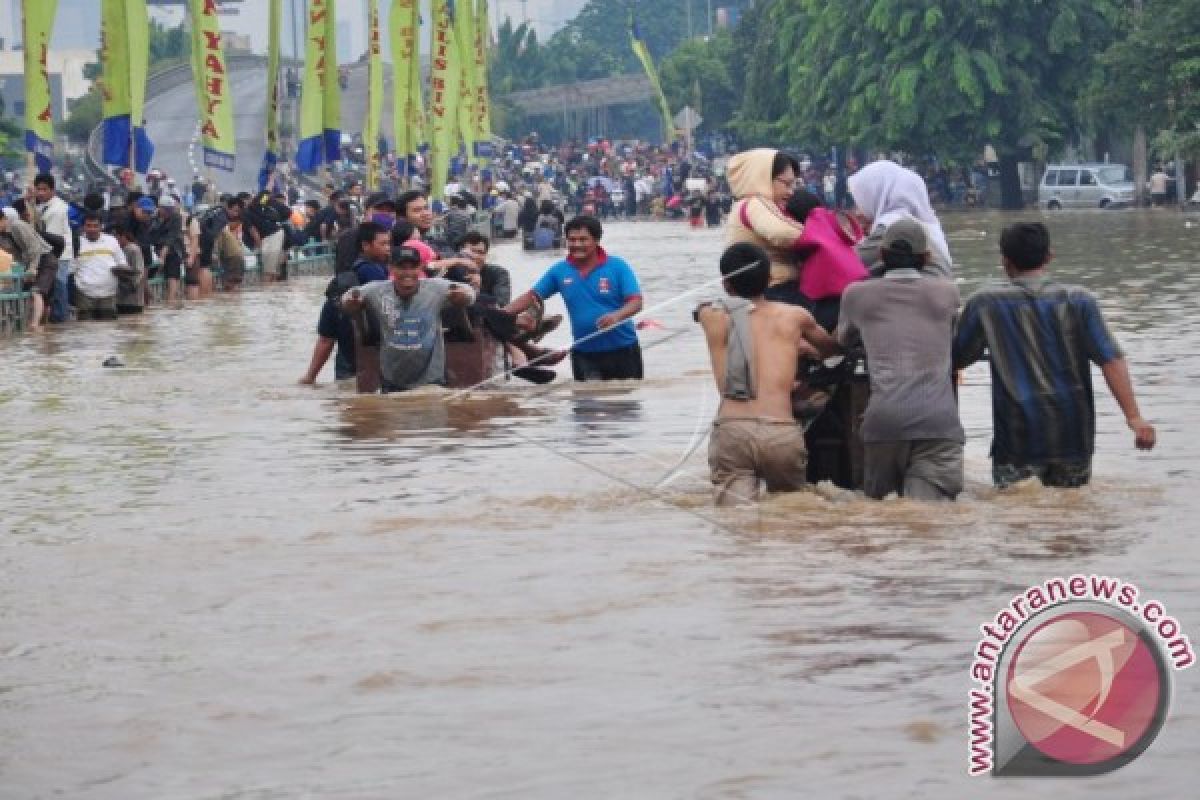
(781, 334)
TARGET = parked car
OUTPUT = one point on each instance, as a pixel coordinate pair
(1085, 186)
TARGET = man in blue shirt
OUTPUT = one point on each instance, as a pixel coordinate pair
(601, 294)
(1043, 337)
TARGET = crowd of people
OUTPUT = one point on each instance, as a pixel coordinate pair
(805, 280)
(880, 282)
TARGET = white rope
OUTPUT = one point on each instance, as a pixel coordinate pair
(652, 309)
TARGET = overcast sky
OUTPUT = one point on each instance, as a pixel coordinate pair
(546, 15)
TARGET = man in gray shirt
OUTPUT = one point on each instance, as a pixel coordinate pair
(912, 437)
(407, 312)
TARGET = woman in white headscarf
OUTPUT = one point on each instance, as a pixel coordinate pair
(884, 192)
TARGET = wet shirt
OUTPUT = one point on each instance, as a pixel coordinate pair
(94, 266)
(906, 324)
(1041, 336)
(590, 295)
(336, 324)
(412, 350)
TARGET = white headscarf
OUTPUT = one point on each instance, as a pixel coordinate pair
(885, 191)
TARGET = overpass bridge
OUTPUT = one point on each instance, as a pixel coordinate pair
(583, 106)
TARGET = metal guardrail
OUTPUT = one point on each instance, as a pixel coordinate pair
(16, 301)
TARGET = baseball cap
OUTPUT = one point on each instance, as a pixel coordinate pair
(406, 255)
(166, 201)
(906, 235)
(379, 200)
(147, 204)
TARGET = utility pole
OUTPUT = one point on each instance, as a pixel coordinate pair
(687, 4)
(710, 19)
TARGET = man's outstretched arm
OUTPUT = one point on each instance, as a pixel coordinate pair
(1116, 375)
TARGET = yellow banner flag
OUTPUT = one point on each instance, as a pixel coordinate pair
(444, 81)
(408, 115)
(374, 95)
(643, 55)
(39, 117)
(124, 60)
(332, 105)
(317, 143)
(483, 43)
(271, 156)
(213, 91)
(464, 39)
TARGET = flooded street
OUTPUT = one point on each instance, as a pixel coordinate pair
(218, 584)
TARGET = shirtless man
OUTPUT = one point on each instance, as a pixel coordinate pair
(755, 346)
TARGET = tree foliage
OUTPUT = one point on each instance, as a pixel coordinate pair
(697, 75)
(1151, 74)
(937, 76)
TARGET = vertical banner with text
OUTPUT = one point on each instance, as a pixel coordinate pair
(39, 119)
(444, 80)
(374, 95)
(212, 86)
(464, 40)
(483, 108)
(271, 155)
(310, 153)
(408, 116)
(124, 57)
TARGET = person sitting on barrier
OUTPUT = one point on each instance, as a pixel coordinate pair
(131, 283)
(99, 261)
(229, 247)
(407, 312)
(263, 218)
(755, 346)
(22, 242)
(912, 437)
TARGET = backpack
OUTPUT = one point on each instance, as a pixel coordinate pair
(212, 222)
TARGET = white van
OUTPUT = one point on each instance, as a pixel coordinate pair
(1085, 186)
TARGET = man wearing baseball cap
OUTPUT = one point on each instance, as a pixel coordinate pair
(407, 312)
(912, 437)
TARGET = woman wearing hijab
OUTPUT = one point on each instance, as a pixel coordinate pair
(885, 192)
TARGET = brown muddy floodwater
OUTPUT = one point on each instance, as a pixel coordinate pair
(217, 584)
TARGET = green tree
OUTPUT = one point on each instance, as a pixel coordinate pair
(697, 74)
(1151, 75)
(942, 76)
(86, 113)
(10, 134)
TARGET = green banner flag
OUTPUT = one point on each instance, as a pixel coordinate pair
(444, 81)
(318, 143)
(374, 95)
(124, 60)
(137, 22)
(271, 156)
(332, 106)
(38, 19)
(643, 55)
(464, 39)
(483, 44)
(213, 90)
(408, 116)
